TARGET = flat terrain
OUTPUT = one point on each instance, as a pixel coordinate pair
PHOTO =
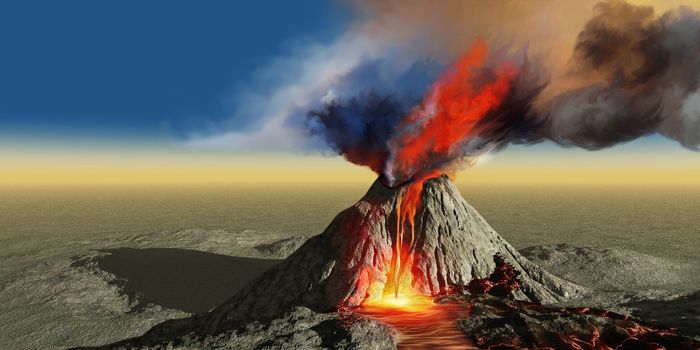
(89, 265)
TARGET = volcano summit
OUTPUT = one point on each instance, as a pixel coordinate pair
(353, 260)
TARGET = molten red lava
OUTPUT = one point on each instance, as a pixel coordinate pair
(429, 137)
(400, 280)
(504, 323)
(449, 114)
(419, 322)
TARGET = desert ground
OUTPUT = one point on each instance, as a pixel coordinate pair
(89, 266)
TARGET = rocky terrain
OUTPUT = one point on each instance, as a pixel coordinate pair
(73, 295)
(340, 268)
(101, 291)
(84, 306)
(651, 288)
(490, 316)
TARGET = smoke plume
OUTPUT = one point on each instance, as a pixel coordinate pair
(414, 87)
(631, 73)
(644, 73)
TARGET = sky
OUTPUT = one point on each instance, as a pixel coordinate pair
(139, 69)
(179, 91)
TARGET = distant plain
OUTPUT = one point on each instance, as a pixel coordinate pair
(78, 260)
(660, 220)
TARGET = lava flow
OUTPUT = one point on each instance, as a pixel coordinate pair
(428, 137)
(425, 139)
(407, 203)
(419, 321)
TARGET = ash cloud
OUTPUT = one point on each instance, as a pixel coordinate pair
(645, 72)
(632, 73)
(589, 75)
(364, 108)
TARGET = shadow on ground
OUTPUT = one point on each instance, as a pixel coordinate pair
(682, 313)
(187, 280)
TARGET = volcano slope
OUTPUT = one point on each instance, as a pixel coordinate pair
(351, 259)
(303, 301)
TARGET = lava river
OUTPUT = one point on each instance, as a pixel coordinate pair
(419, 322)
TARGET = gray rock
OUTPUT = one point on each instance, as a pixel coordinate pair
(651, 288)
(454, 245)
(298, 328)
(282, 248)
(610, 268)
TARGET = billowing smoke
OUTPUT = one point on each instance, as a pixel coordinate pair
(363, 110)
(644, 73)
(411, 88)
(632, 73)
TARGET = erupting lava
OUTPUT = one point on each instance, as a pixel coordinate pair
(434, 133)
(407, 205)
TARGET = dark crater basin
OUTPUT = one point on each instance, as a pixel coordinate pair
(188, 280)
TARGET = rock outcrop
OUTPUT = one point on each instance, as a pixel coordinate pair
(507, 324)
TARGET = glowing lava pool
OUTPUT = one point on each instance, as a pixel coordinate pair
(419, 322)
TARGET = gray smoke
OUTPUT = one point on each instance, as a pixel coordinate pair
(641, 74)
(632, 73)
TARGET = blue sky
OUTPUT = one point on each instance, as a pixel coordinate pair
(141, 69)
(177, 86)
(131, 72)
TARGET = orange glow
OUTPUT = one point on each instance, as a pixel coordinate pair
(450, 113)
(419, 322)
(401, 303)
(407, 204)
(398, 242)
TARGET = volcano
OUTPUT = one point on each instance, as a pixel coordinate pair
(351, 261)
(323, 286)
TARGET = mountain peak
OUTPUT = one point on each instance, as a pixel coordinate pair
(351, 260)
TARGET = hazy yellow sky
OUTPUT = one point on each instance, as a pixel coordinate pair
(90, 161)
(653, 160)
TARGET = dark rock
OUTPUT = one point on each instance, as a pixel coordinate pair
(299, 328)
(349, 261)
(282, 248)
(511, 324)
(682, 313)
(454, 245)
(503, 282)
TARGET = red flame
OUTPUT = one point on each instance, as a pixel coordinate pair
(449, 113)
(407, 205)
